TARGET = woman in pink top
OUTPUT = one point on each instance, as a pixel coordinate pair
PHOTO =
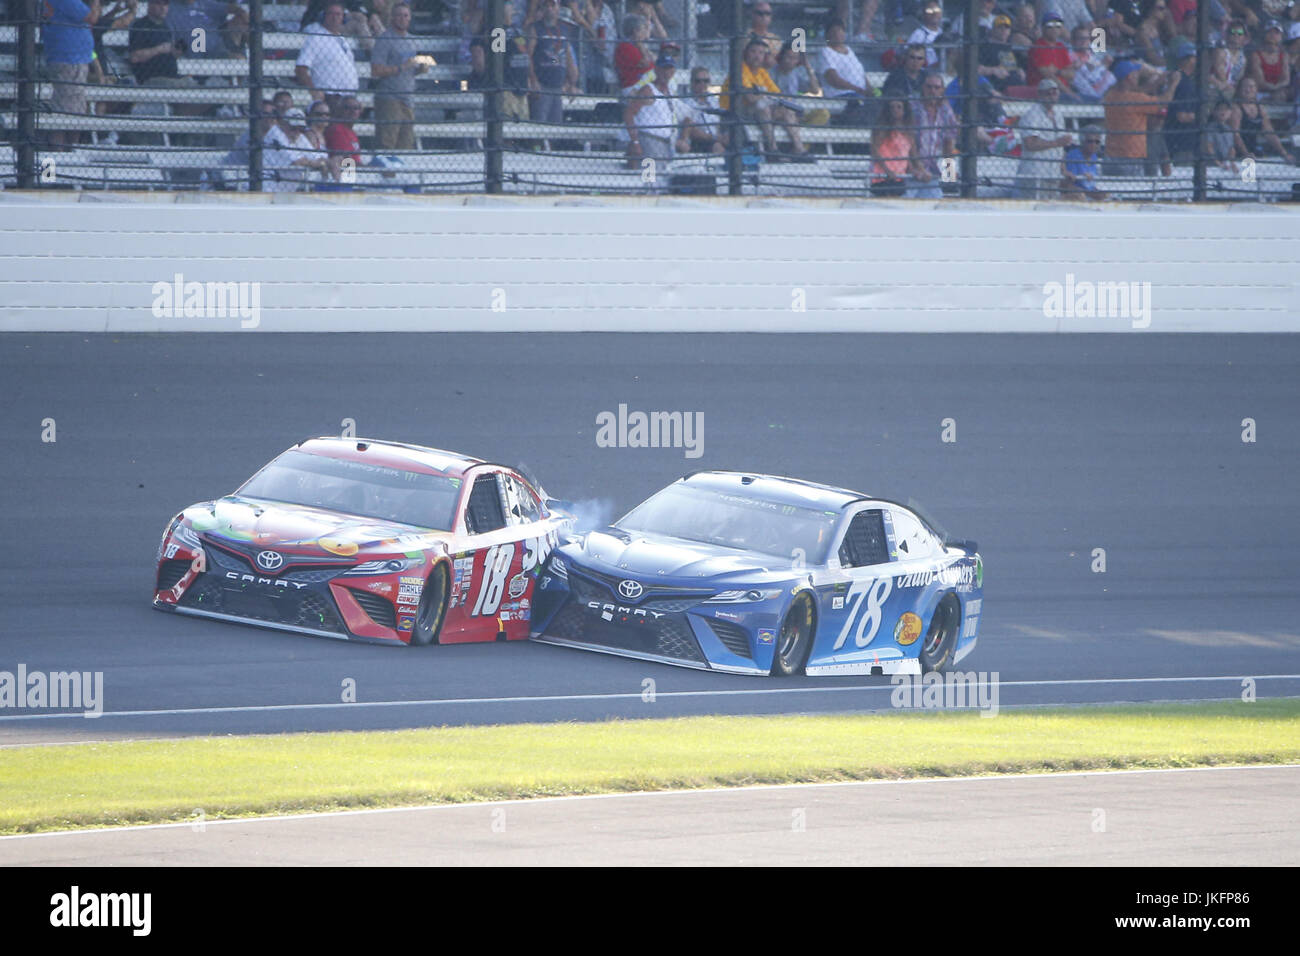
(893, 149)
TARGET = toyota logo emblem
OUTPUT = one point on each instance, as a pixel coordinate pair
(270, 560)
(631, 590)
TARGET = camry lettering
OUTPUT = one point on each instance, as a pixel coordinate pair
(273, 582)
(612, 609)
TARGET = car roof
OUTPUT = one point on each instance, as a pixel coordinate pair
(391, 454)
(774, 488)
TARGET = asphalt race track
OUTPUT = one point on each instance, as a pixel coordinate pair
(1244, 816)
(1065, 444)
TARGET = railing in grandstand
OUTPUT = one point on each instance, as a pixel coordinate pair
(851, 98)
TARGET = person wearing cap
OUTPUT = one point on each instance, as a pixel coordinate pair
(1129, 113)
(755, 103)
(1049, 57)
(552, 68)
(998, 62)
(654, 116)
(1180, 130)
(288, 154)
(1083, 165)
(1043, 140)
(929, 30)
(905, 79)
(1270, 66)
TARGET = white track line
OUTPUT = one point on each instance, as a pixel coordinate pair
(328, 814)
(262, 708)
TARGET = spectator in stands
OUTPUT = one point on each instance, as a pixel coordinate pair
(394, 65)
(341, 139)
(1083, 166)
(998, 62)
(1128, 114)
(514, 99)
(288, 155)
(1181, 122)
(905, 79)
(1024, 26)
(1049, 57)
(1156, 30)
(701, 131)
(983, 27)
(798, 82)
(1221, 143)
(552, 68)
(1270, 66)
(1091, 77)
(936, 131)
(760, 28)
(866, 17)
(596, 18)
(929, 31)
(633, 61)
(318, 120)
(208, 27)
(844, 77)
(756, 103)
(1252, 123)
(1219, 82)
(238, 155)
(153, 47)
(893, 150)
(654, 118)
(653, 17)
(1043, 140)
(326, 65)
(282, 101)
(69, 48)
(1238, 61)
(1076, 13)
(356, 23)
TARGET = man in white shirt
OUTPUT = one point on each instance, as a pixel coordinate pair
(288, 156)
(929, 30)
(656, 123)
(325, 63)
(701, 132)
(1042, 145)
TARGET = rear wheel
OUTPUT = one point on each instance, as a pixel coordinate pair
(794, 640)
(433, 608)
(941, 639)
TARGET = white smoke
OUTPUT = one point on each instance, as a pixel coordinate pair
(590, 513)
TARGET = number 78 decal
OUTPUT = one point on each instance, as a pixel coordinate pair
(875, 591)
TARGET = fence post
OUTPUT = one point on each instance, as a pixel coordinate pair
(969, 63)
(28, 77)
(499, 48)
(1203, 101)
(736, 48)
(254, 95)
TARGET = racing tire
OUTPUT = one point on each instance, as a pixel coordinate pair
(432, 610)
(941, 639)
(795, 639)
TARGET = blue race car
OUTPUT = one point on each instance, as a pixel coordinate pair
(756, 574)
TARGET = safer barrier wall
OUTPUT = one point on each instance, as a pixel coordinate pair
(465, 265)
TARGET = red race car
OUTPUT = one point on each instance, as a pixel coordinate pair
(366, 540)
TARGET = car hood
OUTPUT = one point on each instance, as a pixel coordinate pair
(296, 529)
(640, 555)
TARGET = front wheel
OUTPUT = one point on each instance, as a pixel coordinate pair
(794, 640)
(941, 638)
(432, 610)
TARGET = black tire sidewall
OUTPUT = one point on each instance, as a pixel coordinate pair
(951, 612)
(419, 637)
(803, 649)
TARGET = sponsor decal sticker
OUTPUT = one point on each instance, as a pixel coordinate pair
(419, 582)
(408, 599)
(336, 546)
(410, 589)
(518, 585)
(766, 635)
(406, 622)
(381, 586)
(908, 629)
(837, 603)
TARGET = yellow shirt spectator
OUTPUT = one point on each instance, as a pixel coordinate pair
(749, 79)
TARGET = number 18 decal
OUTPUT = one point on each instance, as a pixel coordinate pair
(875, 590)
(496, 565)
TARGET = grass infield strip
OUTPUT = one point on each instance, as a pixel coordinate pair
(104, 784)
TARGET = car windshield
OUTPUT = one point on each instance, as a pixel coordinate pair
(734, 521)
(358, 488)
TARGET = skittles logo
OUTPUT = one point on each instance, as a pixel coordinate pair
(908, 629)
